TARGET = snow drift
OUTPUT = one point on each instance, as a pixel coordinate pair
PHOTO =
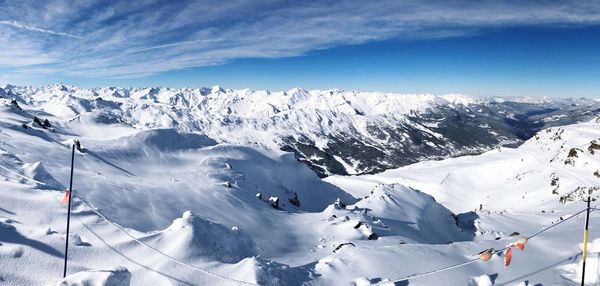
(116, 277)
(191, 238)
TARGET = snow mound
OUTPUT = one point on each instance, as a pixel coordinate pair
(267, 272)
(413, 213)
(191, 237)
(37, 172)
(76, 240)
(34, 170)
(119, 276)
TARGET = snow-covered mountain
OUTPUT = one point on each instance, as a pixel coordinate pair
(333, 131)
(185, 206)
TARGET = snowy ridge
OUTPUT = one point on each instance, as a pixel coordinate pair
(330, 130)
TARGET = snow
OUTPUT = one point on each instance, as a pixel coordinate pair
(211, 240)
(187, 208)
(349, 169)
(233, 116)
(483, 280)
(573, 271)
(114, 277)
(461, 99)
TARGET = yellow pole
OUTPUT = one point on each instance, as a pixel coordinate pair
(585, 240)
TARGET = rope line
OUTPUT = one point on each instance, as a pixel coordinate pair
(413, 276)
(27, 178)
(130, 235)
(417, 275)
(157, 250)
(553, 225)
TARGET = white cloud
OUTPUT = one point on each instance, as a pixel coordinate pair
(133, 38)
(18, 25)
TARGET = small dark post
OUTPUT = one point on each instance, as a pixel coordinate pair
(585, 239)
(69, 209)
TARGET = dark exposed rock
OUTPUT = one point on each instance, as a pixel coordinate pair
(14, 103)
(274, 202)
(572, 153)
(37, 121)
(342, 245)
(295, 201)
(338, 204)
(373, 236)
(593, 146)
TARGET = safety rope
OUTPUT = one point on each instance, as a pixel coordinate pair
(27, 178)
(130, 235)
(413, 276)
(157, 250)
(417, 275)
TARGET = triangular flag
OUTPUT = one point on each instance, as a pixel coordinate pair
(507, 256)
(65, 199)
(521, 243)
(486, 254)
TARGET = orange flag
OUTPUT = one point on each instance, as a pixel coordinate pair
(507, 256)
(521, 243)
(65, 199)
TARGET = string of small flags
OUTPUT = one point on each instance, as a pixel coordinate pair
(487, 254)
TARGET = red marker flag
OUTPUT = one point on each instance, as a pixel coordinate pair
(521, 243)
(65, 200)
(507, 256)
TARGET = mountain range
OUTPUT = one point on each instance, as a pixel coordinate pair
(334, 132)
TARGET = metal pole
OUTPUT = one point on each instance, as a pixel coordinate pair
(69, 209)
(585, 240)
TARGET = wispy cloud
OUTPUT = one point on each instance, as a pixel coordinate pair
(179, 44)
(18, 25)
(140, 37)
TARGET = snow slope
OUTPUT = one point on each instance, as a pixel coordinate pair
(184, 210)
(534, 176)
(512, 190)
(144, 180)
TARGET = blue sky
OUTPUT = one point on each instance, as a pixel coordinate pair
(496, 48)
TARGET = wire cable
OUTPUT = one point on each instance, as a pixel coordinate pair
(413, 276)
(417, 275)
(157, 250)
(130, 235)
(27, 178)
